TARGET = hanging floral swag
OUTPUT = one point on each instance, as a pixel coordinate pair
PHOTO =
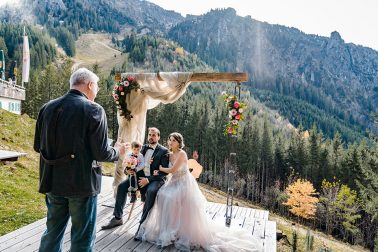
(121, 89)
(235, 113)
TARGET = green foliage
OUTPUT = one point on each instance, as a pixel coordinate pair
(65, 39)
(368, 182)
(102, 18)
(155, 54)
(302, 113)
(45, 85)
(309, 241)
(347, 208)
(294, 245)
(42, 50)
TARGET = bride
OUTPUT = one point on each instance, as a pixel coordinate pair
(178, 216)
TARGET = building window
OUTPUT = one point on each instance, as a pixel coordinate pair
(1, 105)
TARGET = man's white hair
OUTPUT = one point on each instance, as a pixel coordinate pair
(82, 76)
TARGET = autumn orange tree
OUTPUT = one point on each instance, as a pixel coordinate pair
(302, 199)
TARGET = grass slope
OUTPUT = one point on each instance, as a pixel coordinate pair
(94, 48)
(20, 203)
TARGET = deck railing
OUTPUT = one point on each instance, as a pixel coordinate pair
(11, 90)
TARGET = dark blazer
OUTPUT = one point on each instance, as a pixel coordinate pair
(160, 157)
(71, 136)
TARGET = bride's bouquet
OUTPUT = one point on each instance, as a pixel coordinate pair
(130, 163)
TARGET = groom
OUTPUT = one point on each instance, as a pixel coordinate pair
(154, 156)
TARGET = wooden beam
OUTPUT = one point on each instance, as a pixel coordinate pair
(208, 77)
(219, 77)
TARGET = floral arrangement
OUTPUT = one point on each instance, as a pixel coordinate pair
(121, 89)
(235, 113)
(130, 162)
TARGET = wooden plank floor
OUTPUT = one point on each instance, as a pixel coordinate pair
(27, 239)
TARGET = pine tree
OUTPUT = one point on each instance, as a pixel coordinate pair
(347, 207)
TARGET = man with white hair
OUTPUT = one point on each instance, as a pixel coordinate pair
(71, 137)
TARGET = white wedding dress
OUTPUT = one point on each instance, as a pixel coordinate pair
(178, 217)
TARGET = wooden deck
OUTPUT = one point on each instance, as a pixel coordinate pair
(27, 239)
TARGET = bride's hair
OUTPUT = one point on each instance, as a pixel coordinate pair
(179, 138)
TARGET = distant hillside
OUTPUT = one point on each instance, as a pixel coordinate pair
(340, 79)
(103, 15)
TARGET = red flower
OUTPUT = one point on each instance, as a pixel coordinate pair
(130, 78)
(237, 117)
(236, 104)
(120, 88)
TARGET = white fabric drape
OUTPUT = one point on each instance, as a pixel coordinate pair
(152, 92)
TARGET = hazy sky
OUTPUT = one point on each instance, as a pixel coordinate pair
(355, 20)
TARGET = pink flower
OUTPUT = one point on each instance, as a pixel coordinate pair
(230, 130)
(237, 117)
(126, 83)
(120, 88)
(236, 104)
(130, 162)
(130, 78)
(234, 122)
(233, 112)
(115, 87)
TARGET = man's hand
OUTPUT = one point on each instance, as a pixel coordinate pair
(156, 172)
(143, 182)
(122, 147)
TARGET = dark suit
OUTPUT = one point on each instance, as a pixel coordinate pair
(160, 157)
(71, 134)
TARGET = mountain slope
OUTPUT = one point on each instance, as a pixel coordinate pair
(100, 15)
(339, 78)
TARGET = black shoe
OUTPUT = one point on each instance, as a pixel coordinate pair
(114, 222)
(133, 197)
(136, 237)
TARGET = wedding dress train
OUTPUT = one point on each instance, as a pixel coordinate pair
(179, 217)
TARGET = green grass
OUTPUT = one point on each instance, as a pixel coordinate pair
(20, 202)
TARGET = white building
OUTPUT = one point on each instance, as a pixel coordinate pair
(11, 96)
